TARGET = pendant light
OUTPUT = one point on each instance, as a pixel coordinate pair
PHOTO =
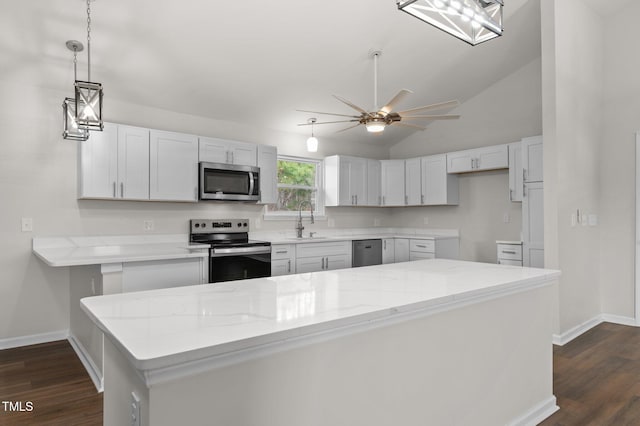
(89, 94)
(312, 142)
(70, 127)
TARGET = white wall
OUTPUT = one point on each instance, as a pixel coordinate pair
(504, 112)
(617, 160)
(573, 58)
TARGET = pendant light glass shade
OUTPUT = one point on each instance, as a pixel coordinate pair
(312, 144)
(71, 130)
(88, 105)
(472, 21)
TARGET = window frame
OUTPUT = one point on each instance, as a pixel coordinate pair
(319, 212)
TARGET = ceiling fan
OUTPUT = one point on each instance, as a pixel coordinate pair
(377, 120)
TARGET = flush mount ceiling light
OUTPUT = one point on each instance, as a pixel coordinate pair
(70, 127)
(473, 21)
(89, 94)
(312, 142)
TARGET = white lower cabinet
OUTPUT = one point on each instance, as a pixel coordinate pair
(401, 249)
(388, 251)
(156, 274)
(283, 259)
(510, 253)
(312, 257)
(422, 249)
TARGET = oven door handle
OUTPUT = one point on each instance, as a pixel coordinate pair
(218, 252)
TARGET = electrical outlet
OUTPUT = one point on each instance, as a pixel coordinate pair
(506, 218)
(27, 224)
(425, 220)
(148, 225)
(135, 410)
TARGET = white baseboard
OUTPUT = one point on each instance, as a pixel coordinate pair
(569, 335)
(89, 365)
(34, 339)
(537, 414)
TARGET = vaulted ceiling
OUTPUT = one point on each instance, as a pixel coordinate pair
(256, 62)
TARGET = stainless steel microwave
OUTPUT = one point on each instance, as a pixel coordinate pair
(229, 182)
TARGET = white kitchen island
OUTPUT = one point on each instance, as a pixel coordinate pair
(432, 342)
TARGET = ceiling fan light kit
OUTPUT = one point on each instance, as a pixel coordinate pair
(472, 21)
(378, 119)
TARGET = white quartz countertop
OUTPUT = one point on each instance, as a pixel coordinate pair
(102, 250)
(321, 238)
(162, 329)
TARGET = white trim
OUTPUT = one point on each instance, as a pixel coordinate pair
(537, 414)
(33, 339)
(569, 335)
(87, 362)
(637, 250)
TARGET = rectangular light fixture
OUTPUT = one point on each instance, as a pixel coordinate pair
(472, 21)
(71, 130)
(88, 105)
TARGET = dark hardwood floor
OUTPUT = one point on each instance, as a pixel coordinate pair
(596, 380)
(53, 379)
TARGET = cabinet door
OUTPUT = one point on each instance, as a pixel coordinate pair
(268, 163)
(345, 197)
(392, 182)
(133, 163)
(419, 255)
(214, 150)
(156, 274)
(515, 171)
(438, 187)
(401, 249)
(173, 166)
(98, 164)
(340, 261)
(413, 187)
(388, 251)
(358, 181)
(460, 162)
(532, 159)
(242, 153)
(281, 267)
(309, 264)
(533, 225)
(374, 198)
(492, 157)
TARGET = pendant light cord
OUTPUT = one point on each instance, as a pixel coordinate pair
(375, 82)
(88, 40)
(75, 63)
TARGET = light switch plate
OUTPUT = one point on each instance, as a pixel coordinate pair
(506, 218)
(27, 224)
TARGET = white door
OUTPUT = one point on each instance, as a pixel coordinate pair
(98, 158)
(268, 163)
(133, 163)
(374, 198)
(243, 154)
(214, 150)
(388, 251)
(515, 171)
(392, 182)
(533, 225)
(173, 166)
(412, 179)
(532, 159)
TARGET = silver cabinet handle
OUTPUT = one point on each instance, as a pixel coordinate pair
(232, 158)
(421, 198)
(524, 175)
(421, 246)
(379, 200)
(356, 199)
(510, 194)
(384, 242)
(509, 251)
(281, 251)
(352, 198)
(322, 263)
(289, 265)
(406, 199)
(114, 190)
(472, 164)
(383, 200)
(327, 263)
(121, 189)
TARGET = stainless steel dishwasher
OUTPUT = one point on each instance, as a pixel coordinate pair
(367, 252)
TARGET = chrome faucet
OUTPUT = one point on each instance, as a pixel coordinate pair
(299, 227)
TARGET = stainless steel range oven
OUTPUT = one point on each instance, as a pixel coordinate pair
(232, 255)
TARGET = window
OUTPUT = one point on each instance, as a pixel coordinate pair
(299, 179)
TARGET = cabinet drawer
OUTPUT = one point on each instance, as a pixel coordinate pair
(424, 246)
(323, 249)
(282, 251)
(510, 252)
(510, 262)
(418, 255)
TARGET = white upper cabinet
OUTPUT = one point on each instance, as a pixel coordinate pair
(114, 164)
(345, 181)
(268, 163)
(374, 197)
(532, 159)
(438, 187)
(173, 166)
(392, 182)
(215, 150)
(515, 171)
(479, 159)
(413, 180)
(133, 163)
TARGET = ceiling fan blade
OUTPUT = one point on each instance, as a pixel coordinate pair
(328, 122)
(328, 113)
(432, 117)
(442, 105)
(347, 128)
(413, 126)
(395, 100)
(356, 107)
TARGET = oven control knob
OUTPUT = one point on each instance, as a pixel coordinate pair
(204, 225)
(239, 224)
(197, 225)
(246, 224)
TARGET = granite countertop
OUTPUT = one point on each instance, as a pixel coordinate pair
(161, 330)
